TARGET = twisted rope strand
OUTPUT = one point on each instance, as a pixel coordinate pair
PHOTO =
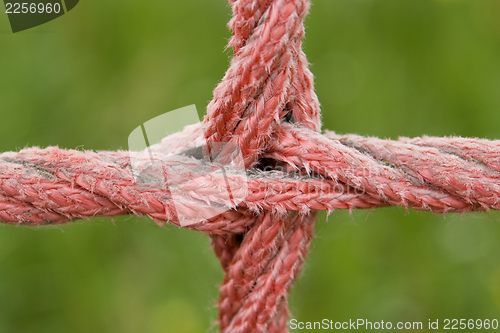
(252, 98)
(272, 286)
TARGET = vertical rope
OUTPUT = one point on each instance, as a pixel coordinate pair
(268, 83)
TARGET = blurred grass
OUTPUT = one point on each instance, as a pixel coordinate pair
(382, 67)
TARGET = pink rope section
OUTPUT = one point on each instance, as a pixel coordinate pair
(267, 106)
(267, 83)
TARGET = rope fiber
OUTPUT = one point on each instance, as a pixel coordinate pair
(265, 105)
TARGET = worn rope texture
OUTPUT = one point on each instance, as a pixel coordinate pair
(267, 106)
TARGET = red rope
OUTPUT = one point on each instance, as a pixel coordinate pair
(267, 106)
(268, 81)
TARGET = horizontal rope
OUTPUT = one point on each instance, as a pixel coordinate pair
(52, 185)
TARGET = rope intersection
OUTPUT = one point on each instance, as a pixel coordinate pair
(265, 105)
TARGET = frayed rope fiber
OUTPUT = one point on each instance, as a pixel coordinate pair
(265, 105)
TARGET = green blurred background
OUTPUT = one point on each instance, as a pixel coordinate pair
(382, 67)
